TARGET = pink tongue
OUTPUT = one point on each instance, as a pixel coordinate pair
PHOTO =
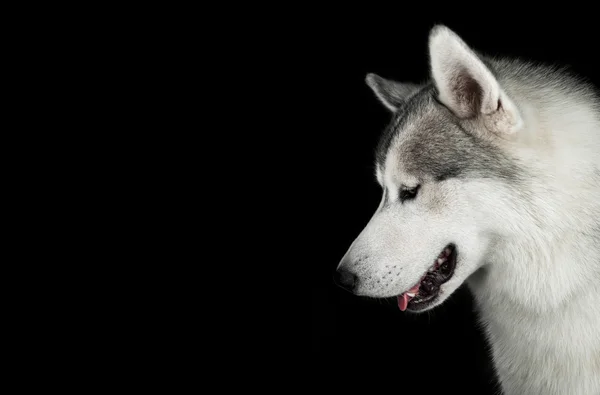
(404, 298)
(403, 301)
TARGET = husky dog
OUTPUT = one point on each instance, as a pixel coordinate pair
(491, 176)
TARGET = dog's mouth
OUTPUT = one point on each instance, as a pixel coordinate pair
(427, 289)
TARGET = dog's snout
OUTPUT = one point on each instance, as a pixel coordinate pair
(345, 279)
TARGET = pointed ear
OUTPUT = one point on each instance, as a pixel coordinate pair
(391, 93)
(466, 86)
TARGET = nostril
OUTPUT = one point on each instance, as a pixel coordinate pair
(348, 279)
(345, 279)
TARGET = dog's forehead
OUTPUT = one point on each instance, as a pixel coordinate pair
(425, 140)
(411, 142)
(407, 114)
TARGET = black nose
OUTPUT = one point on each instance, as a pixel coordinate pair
(345, 279)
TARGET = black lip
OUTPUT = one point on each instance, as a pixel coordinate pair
(430, 286)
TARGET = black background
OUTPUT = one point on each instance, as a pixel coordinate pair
(356, 340)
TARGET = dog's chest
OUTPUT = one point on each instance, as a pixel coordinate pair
(555, 352)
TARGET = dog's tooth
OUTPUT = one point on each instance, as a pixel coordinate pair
(410, 294)
(440, 261)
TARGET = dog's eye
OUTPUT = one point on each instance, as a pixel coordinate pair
(408, 193)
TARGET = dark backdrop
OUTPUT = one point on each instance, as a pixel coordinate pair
(355, 340)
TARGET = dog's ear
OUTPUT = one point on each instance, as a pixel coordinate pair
(466, 86)
(391, 93)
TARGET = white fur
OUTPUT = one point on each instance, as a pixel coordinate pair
(531, 257)
(450, 58)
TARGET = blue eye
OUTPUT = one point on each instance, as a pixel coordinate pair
(408, 193)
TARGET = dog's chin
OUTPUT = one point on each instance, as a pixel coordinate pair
(429, 291)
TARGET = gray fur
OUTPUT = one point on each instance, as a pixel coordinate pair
(518, 148)
(392, 94)
(439, 147)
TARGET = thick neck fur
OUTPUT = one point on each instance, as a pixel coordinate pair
(555, 223)
(539, 292)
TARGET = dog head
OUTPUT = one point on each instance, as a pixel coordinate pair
(440, 164)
